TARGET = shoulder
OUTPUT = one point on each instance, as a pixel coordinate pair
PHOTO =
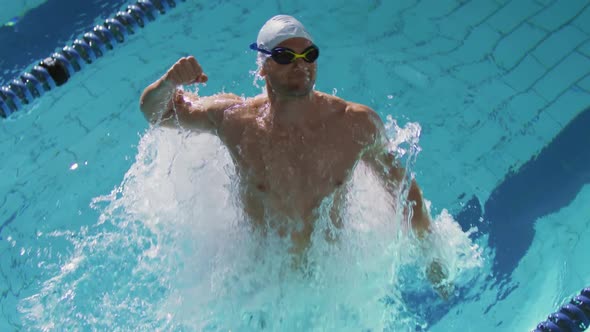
(230, 105)
(362, 112)
(257, 102)
(351, 110)
(331, 105)
(250, 107)
(245, 116)
(243, 111)
(223, 101)
(367, 121)
(362, 119)
(365, 118)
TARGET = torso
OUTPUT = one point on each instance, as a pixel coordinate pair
(286, 171)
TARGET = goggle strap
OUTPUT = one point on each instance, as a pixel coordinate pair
(255, 47)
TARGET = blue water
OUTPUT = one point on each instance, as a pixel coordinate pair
(107, 224)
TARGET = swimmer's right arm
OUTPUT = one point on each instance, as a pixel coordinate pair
(163, 103)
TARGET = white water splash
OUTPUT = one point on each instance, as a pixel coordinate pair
(172, 251)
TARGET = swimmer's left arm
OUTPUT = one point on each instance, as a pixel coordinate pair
(383, 163)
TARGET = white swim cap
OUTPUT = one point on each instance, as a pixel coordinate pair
(278, 29)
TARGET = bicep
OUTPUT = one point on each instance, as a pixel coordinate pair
(203, 113)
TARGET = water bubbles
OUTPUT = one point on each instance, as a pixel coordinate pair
(403, 142)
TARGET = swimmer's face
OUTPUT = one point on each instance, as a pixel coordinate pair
(294, 79)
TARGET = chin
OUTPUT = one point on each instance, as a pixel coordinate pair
(302, 87)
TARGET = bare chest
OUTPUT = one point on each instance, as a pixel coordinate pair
(308, 161)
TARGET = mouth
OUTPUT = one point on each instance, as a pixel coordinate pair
(298, 73)
(297, 82)
(297, 76)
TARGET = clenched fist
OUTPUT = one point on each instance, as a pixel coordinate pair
(186, 71)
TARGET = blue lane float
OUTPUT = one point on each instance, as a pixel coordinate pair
(61, 66)
(571, 317)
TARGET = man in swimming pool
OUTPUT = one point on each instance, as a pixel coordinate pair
(292, 146)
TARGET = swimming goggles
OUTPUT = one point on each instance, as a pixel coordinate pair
(285, 56)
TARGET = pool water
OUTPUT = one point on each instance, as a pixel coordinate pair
(108, 224)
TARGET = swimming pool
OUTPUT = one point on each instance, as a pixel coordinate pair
(105, 224)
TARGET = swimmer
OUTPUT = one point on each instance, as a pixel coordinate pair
(292, 146)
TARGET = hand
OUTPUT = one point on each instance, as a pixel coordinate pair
(185, 71)
(437, 275)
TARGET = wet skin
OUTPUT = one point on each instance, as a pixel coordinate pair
(292, 147)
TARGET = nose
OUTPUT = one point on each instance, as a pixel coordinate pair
(299, 62)
(299, 66)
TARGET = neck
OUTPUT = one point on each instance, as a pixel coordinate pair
(286, 99)
(290, 108)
